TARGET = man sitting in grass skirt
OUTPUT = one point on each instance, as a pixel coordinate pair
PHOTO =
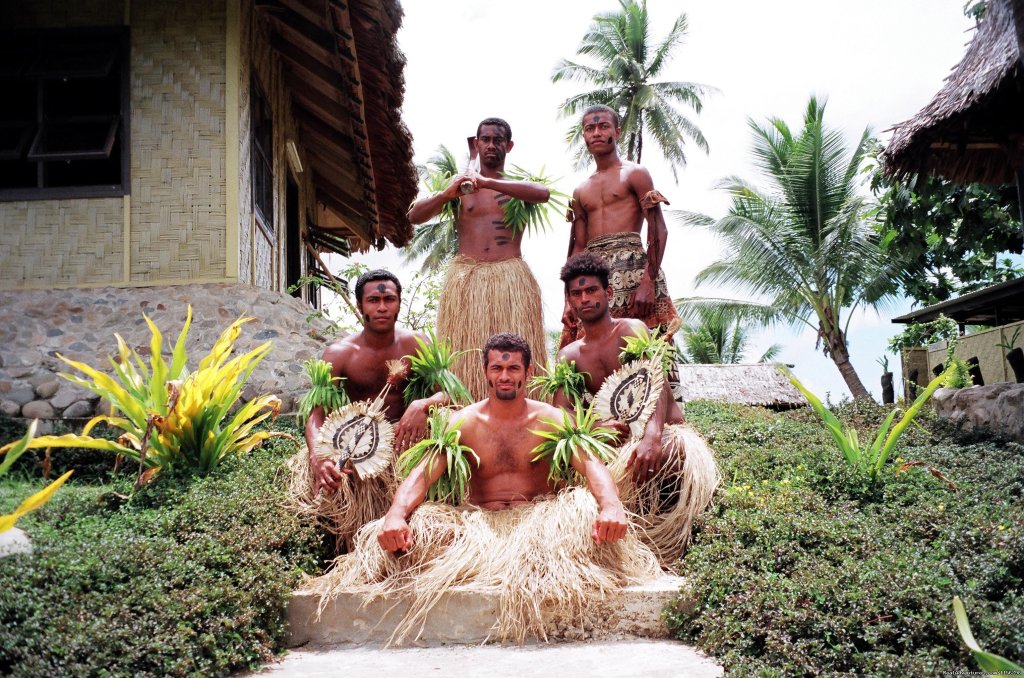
(490, 470)
(359, 371)
(665, 471)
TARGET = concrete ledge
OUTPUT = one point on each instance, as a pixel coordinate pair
(466, 616)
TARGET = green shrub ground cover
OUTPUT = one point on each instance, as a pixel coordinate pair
(800, 568)
(803, 568)
(184, 578)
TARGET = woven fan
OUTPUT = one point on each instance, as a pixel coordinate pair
(358, 436)
(630, 394)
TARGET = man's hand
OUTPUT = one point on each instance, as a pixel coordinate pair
(412, 426)
(620, 429)
(326, 474)
(454, 190)
(610, 525)
(644, 297)
(395, 534)
(648, 458)
(569, 318)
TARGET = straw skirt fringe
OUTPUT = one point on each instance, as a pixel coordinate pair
(341, 513)
(534, 556)
(667, 505)
(482, 298)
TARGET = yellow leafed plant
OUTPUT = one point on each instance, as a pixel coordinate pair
(12, 452)
(171, 418)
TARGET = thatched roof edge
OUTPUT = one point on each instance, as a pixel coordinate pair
(761, 384)
(966, 131)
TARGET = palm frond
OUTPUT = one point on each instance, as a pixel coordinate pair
(562, 376)
(431, 370)
(442, 442)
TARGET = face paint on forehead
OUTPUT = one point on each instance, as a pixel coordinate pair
(582, 281)
(382, 288)
(595, 119)
(506, 356)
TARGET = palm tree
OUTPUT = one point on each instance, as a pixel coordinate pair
(719, 333)
(804, 245)
(437, 240)
(620, 41)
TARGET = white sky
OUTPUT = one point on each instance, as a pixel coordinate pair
(878, 62)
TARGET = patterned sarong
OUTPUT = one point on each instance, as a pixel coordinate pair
(625, 253)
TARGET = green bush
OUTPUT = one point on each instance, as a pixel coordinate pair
(185, 577)
(801, 568)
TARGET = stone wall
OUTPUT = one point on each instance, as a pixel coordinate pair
(999, 407)
(80, 323)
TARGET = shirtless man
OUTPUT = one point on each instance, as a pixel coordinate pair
(588, 293)
(360, 358)
(499, 429)
(607, 214)
(489, 257)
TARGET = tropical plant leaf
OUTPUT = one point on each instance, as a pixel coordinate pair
(431, 371)
(576, 435)
(442, 442)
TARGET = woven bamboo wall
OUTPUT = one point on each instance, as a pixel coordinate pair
(178, 182)
(264, 259)
(68, 242)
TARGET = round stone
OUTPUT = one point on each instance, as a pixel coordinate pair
(37, 409)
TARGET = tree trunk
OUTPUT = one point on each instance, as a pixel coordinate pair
(840, 356)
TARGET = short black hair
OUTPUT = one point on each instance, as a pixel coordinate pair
(376, 274)
(585, 263)
(497, 122)
(510, 343)
(601, 108)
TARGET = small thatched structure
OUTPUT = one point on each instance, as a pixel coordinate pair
(972, 130)
(760, 384)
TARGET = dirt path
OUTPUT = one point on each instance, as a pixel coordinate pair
(622, 659)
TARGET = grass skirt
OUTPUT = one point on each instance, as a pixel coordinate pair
(667, 505)
(341, 513)
(480, 299)
(533, 556)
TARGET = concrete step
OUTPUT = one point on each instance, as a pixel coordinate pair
(466, 616)
(622, 659)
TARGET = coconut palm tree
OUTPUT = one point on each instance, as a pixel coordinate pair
(803, 245)
(436, 241)
(625, 80)
(719, 333)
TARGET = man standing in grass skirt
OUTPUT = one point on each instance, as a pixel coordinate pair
(489, 288)
(360, 361)
(667, 476)
(506, 531)
(607, 213)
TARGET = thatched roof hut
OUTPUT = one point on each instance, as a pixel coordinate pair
(344, 76)
(972, 130)
(760, 384)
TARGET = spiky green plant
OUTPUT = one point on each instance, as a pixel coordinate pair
(431, 369)
(532, 217)
(325, 390)
(991, 664)
(650, 346)
(11, 455)
(170, 417)
(562, 376)
(578, 433)
(867, 458)
(443, 441)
